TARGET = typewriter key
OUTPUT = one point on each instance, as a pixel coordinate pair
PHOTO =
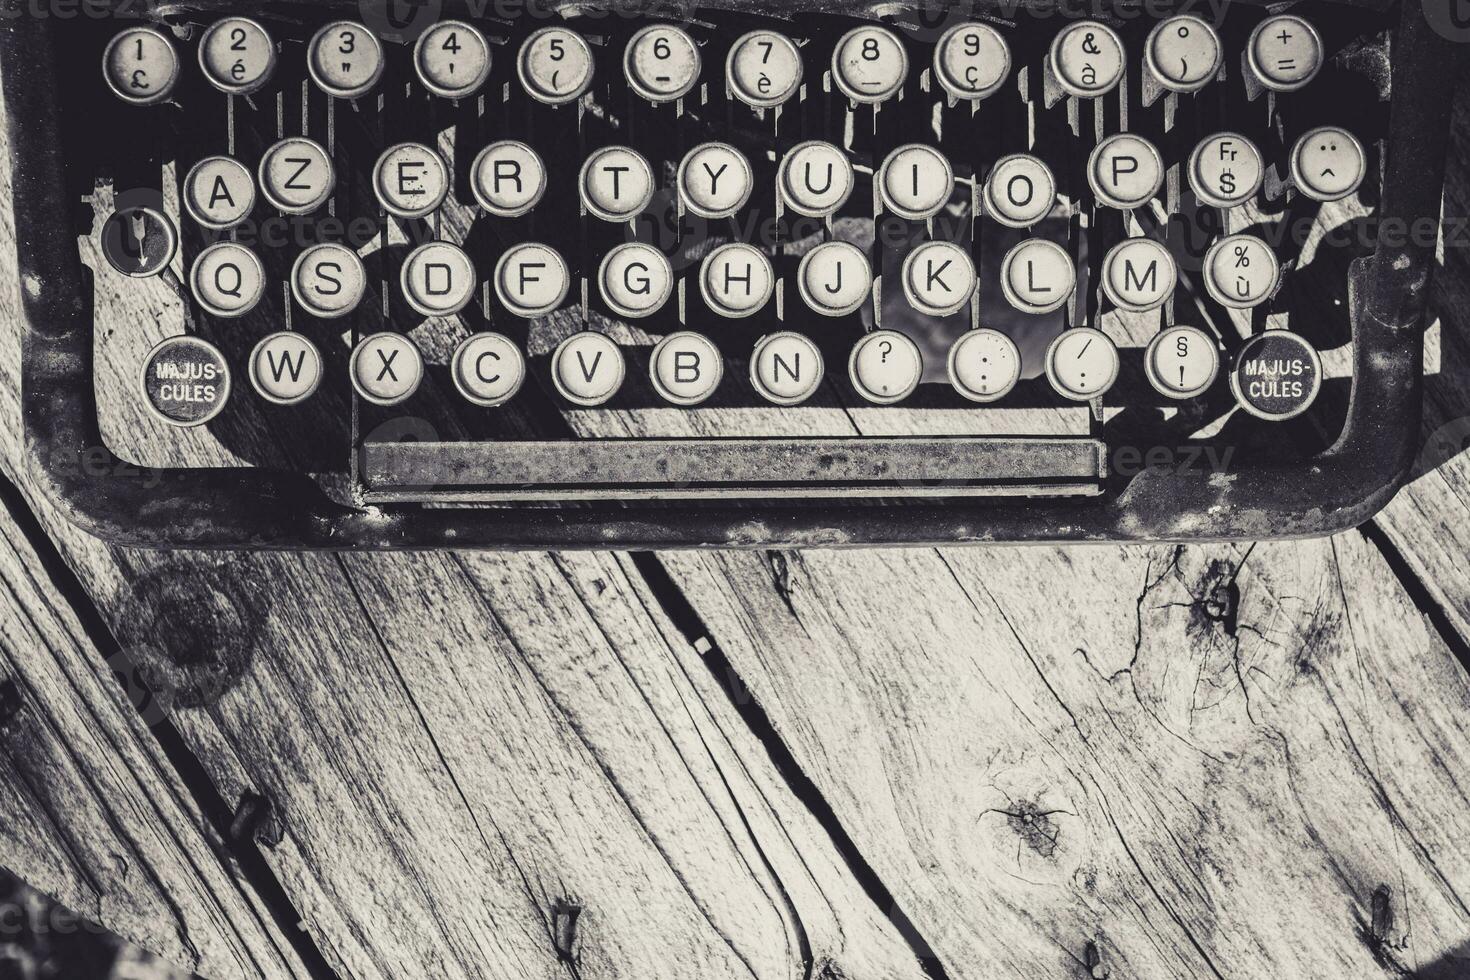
(885, 367)
(984, 365)
(1037, 276)
(1182, 362)
(661, 63)
(139, 241)
(588, 368)
(296, 175)
(714, 180)
(452, 59)
(1241, 271)
(227, 279)
(816, 179)
(616, 183)
(834, 278)
(531, 279)
(185, 381)
(1285, 52)
(1276, 375)
(508, 178)
(1125, 171)
(386, 368)
(1087, 59)
(686, 368)
(410, 180)
(345, 59)
(1184, 53)
(285, 368)
(1328, 164)
(237, 55)
(786, 368)
(939, 278)
(870, 64)
(219, 192)
(555, 65)
(1020, 191)
(971, 61)
(736, 280)
(916, 182)
(328, 280)
(1082, 364)
(763, 69)
(1139, 275)
(438, 279)
(488, 369)
(141, 66)
(635, 279)
(1226, 170)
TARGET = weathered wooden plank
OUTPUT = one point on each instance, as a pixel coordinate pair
(91, 808)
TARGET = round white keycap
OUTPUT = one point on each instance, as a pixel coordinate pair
(1082, 363)
(870, 64)
(1184, 53)
(219, 192)
(714, 180)
(452, 59)
(984, 365)
(328, 280)
(555, 65)
(1038, 276)
(1125, 171)
(1226, 170)
(834, 278)
(1182, 362)
(661, 63)
(285, 368)
(227, 279)
(786, 368)
(1241, 271)
(185, 381)
(816, 179)
(939, 278)
(763, 69)
(345, 59)
(1285, 52)
(736, 280)
(885, 367)
(635, 279)
(1139, 275)
(617, 183)
(296, 175)
(916, 182)
(531, 279)
(141, 66)
(686, 368)
(438, 279)
(971, 61)
(488, 369)
(1087, 58)
(508, 178)
(410, 180)
(386, 368)
(1328, 164)
(237, 55)
(1020, 191)
(588, 368)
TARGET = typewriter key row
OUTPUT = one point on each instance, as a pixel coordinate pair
(662, 63)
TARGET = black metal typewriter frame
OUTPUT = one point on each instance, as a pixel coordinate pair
(257, 508)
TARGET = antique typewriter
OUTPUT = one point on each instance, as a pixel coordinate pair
(747, 273)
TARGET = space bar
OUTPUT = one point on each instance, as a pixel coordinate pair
(631, 468)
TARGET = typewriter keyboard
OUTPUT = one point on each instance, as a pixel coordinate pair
(482, 230)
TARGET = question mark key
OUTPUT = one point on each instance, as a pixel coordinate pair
(885, 367)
